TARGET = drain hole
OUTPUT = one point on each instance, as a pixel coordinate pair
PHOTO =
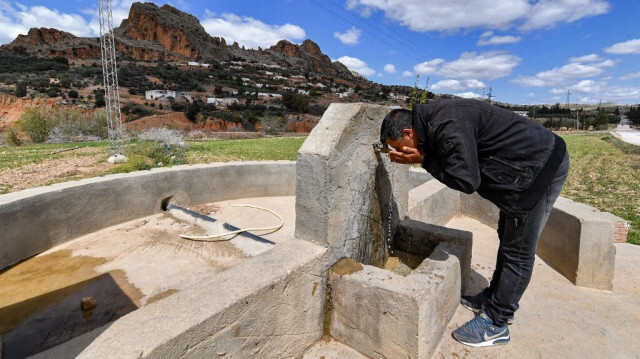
(165, 203)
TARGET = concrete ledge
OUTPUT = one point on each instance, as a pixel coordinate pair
(578, 241)
(476, 207)
(415, 237)
(269, 306)
(38, 219)
(433, 202)
(418, 176)
(384, 315)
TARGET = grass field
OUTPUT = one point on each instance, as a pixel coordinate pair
(605, 172)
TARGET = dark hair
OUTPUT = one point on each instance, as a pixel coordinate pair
(393, 124)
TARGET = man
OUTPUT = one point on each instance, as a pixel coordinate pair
(515, 163)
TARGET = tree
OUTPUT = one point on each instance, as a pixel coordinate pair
(100, 99)
(73, 94)
(601, 120)
(21, 89)
(295, 102)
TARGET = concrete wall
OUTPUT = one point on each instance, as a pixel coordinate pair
(38, 219)
(348, 197)
(578, 240)
(418, 176)
(385, 315)
(269, 306)
(434, 203)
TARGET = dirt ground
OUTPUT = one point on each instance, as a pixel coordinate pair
(87, 162)
(556, 319)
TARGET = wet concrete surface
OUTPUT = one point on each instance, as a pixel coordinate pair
(122, 267)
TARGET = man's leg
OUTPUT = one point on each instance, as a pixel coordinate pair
(518, 243)
(479, 301)
(498, 268)
(517, 252)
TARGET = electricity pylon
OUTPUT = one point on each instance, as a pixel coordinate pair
(111, 90)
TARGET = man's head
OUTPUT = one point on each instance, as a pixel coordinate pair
(397, 129)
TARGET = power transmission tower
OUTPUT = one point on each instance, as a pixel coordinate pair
(111, 90)
(489, 95)
(568, 95)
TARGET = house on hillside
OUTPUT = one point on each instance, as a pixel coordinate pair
(224, 101)
(166, 95)
(268, 94)
(522, 113)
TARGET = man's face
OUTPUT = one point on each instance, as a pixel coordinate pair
(407, 140)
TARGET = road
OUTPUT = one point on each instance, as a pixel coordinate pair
(626, 133)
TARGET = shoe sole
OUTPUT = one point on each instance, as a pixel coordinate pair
(490, 343)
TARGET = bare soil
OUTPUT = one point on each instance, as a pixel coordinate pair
(85, 163)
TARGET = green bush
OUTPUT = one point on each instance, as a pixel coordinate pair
(21, 89)
(12, 138)
(34, 123)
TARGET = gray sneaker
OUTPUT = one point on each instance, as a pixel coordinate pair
(478, 302)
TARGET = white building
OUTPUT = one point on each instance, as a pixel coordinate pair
(166, 95)
(522, 113)
(267, 94)
(224, 101)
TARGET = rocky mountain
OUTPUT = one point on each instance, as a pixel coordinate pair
(153, 33)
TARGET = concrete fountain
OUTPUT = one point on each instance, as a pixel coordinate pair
(364, 264)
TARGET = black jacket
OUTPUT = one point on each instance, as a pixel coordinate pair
(472, 146)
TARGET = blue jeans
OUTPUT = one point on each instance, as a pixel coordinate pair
(517, 251)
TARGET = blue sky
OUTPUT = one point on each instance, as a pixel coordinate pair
(527, 51)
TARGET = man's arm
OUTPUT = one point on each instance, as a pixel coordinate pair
(455, 159)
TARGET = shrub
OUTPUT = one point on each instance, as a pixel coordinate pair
(12, 138)
(100, 99)
(21, 89)
(73, 94)
(52, 92)
(34, 123)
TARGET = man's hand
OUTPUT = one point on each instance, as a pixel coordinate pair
(406, 155)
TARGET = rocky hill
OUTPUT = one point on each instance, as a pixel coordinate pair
(152, 33)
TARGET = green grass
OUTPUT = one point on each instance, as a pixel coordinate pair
(605, 174)
(16, 157)
(263, 149)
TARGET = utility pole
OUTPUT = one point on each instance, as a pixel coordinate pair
(110, 76)
(489, 95)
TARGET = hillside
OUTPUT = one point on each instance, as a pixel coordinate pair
(219, 85)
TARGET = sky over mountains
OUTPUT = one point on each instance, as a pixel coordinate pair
(527, 51)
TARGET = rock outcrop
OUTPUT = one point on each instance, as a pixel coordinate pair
(308, 53)
(44, 42)
(152, 33)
